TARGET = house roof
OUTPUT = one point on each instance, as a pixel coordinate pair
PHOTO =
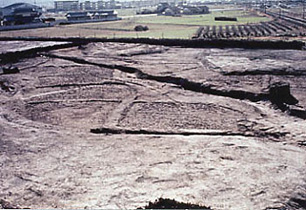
(103, 11)
(20, 5)
(77, 14)
(66, 1)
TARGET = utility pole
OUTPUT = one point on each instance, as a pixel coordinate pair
(280, 9)
(265, 7)
(303, 9)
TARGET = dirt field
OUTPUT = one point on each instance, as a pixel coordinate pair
(114, 125)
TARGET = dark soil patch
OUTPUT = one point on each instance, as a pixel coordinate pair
(166, 203)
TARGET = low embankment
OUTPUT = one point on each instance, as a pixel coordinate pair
(215, 43)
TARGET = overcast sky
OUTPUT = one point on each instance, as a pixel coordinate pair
(49, 3)
(4, 3)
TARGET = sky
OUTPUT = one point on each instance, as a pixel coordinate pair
(49, 3)
(46, 3)
(4, 3)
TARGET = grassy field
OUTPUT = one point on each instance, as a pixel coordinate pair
(126, 12)
(208, 19)
(296, 11)
(159, 26)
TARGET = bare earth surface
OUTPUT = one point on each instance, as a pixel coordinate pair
(158, 136)
(13, 46)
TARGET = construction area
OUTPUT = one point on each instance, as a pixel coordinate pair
(200, 107)
(117, 125)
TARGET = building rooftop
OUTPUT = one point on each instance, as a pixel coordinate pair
(66, 1)
(20, 5)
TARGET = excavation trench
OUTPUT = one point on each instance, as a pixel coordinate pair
(106, 130)
(225, 151)
(81, 84)
(181, 82)
(12, 57)
(85, 100)
(277, 98)
(276, 72)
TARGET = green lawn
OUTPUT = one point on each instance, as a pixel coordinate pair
(167, 26)
(208, 19)
(159, 31)
(126, 12)
(125, 28)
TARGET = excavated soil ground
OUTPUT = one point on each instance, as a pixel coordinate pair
(169, 122)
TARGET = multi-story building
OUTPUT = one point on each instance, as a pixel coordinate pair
(87, 5)
(101, 5)
(74, 5)
(82, 6)
(110, 4)
(70, 5)
(94, 5)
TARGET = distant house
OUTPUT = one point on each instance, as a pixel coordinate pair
(162, 7)
(107, 14)
(104, 14)
(192, 10)
(20, 13)
(169, 12)
(71, 16)
(68, 5)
